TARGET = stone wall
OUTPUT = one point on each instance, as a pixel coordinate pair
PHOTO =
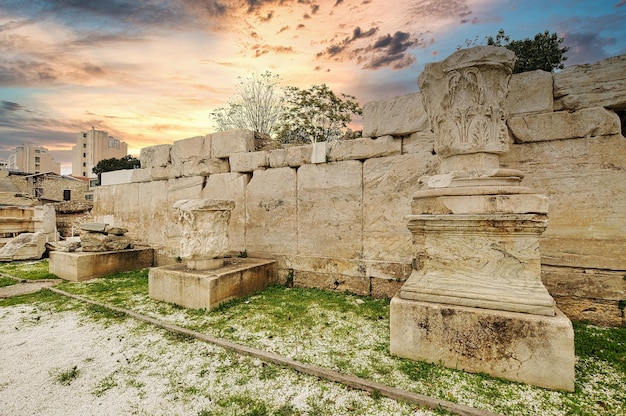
(333, 214)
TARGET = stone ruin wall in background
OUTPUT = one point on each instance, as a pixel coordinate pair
(333, 214)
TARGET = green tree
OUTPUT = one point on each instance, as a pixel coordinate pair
(109, 165)
(315, 114)
(255, 106)
(542, 52)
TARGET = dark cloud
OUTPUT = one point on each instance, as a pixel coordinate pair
(621, 3)
(282, 29)
(315, 8)
(338, 2)
(260, 50)
(386, 51)
(9, 106)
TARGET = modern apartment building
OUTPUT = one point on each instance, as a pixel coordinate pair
(91, 147)
(30, 158)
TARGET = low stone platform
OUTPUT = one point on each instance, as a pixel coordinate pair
(522, 347)
(80, 266)
(206, 289)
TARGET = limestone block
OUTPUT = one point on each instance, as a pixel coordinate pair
(388, 186)
(166, 172)
(533, 349)
(597, 311)
(96, 227)
(530, 92)
(319, 152)
(141, 175)
(110, 229)
(584, 181)
(340, 283)
(102, 242)
(78, 266)
(395, 116)
(205, 167)
(584, 283)
(272, 211)
(600, 84)
(364, 148)
(45, 221)
(330, 209)
(385, 270)
(225, 143)
(155, 156)
(231, 186)
(419, 142)
(248, 162)
(277, 158)
(384, 288)
(563, 125)
(193, 148)
(299, 155)
(184, 188)
(116, 177)
(26, 246)
(208, 288)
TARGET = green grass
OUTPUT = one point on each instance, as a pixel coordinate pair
(30, 270)
(65, 377)
(7, 281)
(350, 334)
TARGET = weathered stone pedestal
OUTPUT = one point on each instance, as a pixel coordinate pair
(206, 289)
(528, 348)
(80, 266)
(207, 278)
(475, 300)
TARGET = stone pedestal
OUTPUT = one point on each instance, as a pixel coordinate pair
(475, 299)
(522, 347)
(80, 266)
(206, 289)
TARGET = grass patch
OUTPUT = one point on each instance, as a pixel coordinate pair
(65, 377)
(29, 270)
(7, 281)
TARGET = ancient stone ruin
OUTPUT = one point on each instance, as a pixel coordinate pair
(207, 278)
(475, 299)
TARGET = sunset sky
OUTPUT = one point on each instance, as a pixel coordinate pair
(151, 71)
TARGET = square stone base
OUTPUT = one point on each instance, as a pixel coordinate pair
(533, 349)
(206, 289)
(80, 266)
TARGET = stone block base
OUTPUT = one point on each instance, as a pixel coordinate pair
(80, 266)
(533, 349)
(206, 289)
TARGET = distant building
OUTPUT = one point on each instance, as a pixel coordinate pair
(91, 147)
(30, 158)
(4, 164)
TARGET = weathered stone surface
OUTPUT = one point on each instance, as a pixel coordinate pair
(141, 175)
(330, 209)
(422, 143)
(299, 155)
(103, 242)
(272, 212)
(364, 148)
(65, 246)
(208, 288)
(166, 172)
(78, 266)
(231, 186)
(248, 162)
(93, 227)
(530, 92)
(277, 158)
(384, 288)
(204, 225)
(600, 84)
(26, 246)
(599, 311)
(111, 229)
(225, 143)
(395, 116)
(155, 156)
(193, 148)
(331, 281)
(564, 125)
(388, 185)
(584, 181)
(463, 96)
(205, 167)
(528, 348)
(116, 177)
(484, 261)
